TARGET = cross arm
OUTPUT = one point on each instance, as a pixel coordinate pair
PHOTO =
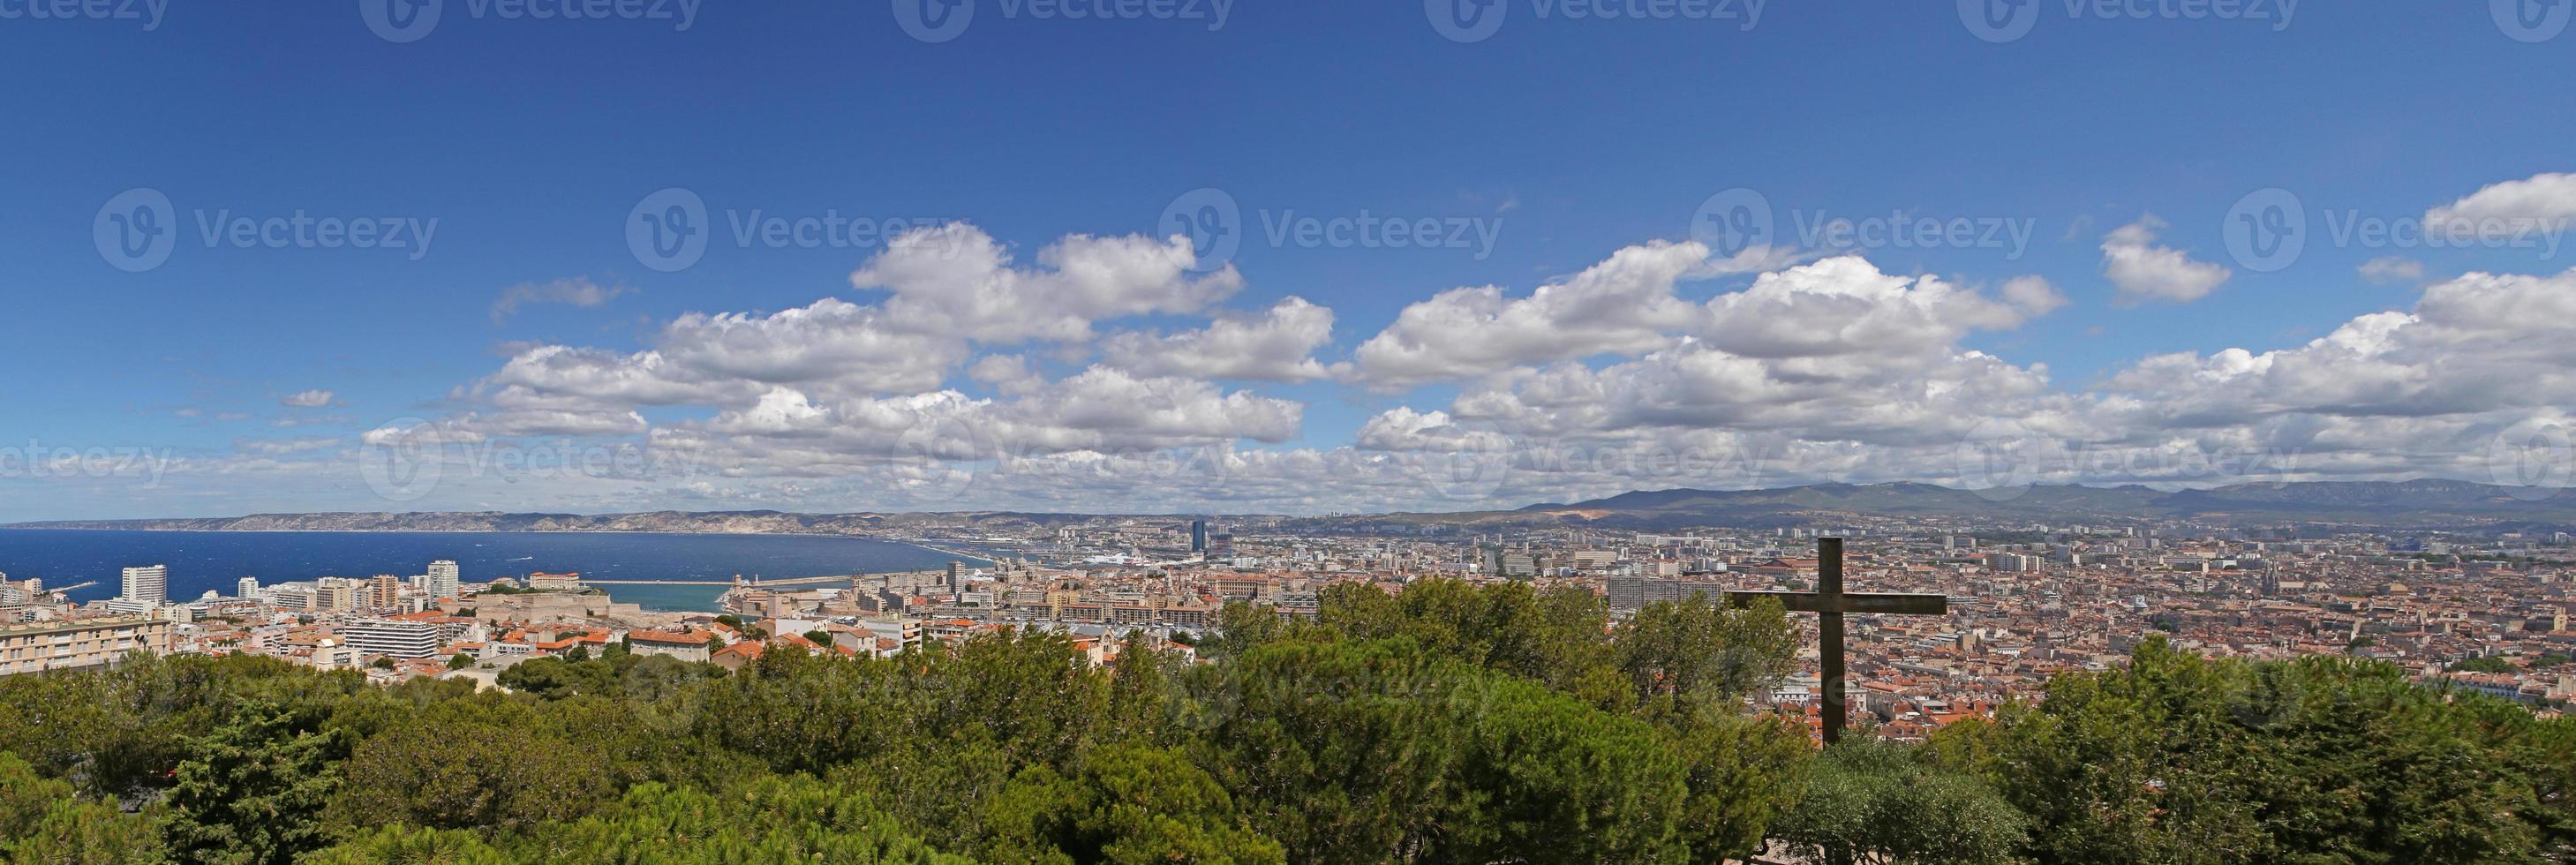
(1851, 602)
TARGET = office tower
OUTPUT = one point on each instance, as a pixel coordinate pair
(149, 585)
(1198, 536)
(247, 588)
(956, 578)
(442, 579)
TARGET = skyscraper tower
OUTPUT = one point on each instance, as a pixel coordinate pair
(1198, 536)
(956, 578)
(149, 585)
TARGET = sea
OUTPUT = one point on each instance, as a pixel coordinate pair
(215, 561)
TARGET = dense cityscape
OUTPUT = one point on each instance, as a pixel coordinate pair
(2485, 613)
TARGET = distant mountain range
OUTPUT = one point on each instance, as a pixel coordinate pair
(2386, 504)
(2418, 504)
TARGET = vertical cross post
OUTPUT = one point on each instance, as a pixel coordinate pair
(1829, 632)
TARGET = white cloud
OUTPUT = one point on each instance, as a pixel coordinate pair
(1278, 345)
(1624, 306)
(954, 280)
(2389, 269)
(308, 399)
(1845, 305)
(1628, 306)
(1608, 380)
(577, 291)
(2143, 272)
(2541, 201)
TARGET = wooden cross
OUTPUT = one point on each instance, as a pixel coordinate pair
(1829, 602)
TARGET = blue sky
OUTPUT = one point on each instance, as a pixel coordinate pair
(531, 141)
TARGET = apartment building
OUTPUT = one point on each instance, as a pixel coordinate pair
(38, 647)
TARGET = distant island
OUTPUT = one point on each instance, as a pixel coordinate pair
(2414, 504)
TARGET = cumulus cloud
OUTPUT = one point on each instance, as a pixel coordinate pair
(2543, 201)
(1628, 306)
(1125, 383)
(1625, 305)
(2143, 272)
(957, 281)
(2477, 343)
(1278, 345)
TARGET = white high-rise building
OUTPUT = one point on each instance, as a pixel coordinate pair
(247, 588)
(149, 585)
(442, 579)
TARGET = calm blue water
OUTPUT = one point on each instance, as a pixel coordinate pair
(200, 561)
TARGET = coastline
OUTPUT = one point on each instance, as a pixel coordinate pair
(656, 588)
